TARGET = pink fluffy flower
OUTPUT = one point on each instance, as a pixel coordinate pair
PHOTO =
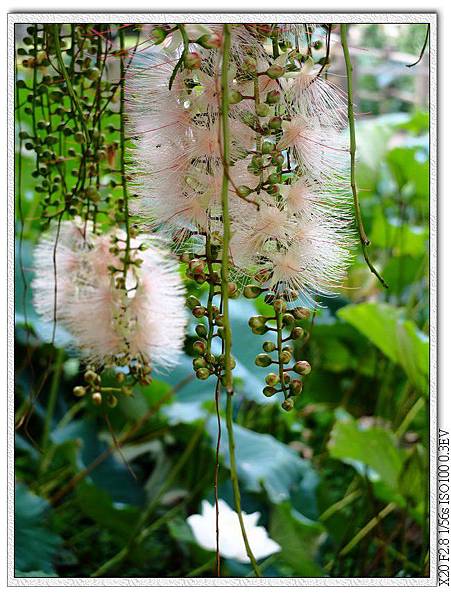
(111, 325)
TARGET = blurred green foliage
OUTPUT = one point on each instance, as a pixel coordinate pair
(355, 447)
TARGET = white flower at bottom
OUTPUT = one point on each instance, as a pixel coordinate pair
(231, 544)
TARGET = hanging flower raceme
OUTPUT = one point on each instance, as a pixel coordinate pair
(290, 207)
(118, 316)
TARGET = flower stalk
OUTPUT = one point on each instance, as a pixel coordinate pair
(228, 380)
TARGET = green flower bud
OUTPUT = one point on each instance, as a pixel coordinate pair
(263, 360)
(250, 64)
(199, 347)
(203, 374)
(79, 391)
(257, 162)
(196, 266)
(302, 367)
(267, 147)
(201, 330)
(269, 391)
(262, 110)
(285, 357)
(158, 35)
(273, 97)
(280, 306)
(199, 312)
(288, 319)
(199, 363)
(120, 377)
(278, 160)
(275, 123)
(275, 71)
(235, 97)
(90, 376)
(258, 321)
(97, 398)
(93, 74)
(273, 190)
(252, 291)
(296, 387)
(288, 404)
(193, 60)
(269, 346)
(192, 302)
(301, 313)
(297, 333)
(243, 191)
(272, 379)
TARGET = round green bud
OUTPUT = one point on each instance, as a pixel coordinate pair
(199, 347)
(93, 73)
(288, 404)
(199, 363)
(235, 97)
(273, 190)
(302, 367)
(120, 377)
(232, 288)
(250, 64)
(275, 123)
(272, 379)
(252, 291)
(263, 360)
(267, 147)
(90, 376)
(97, 398)
(192, 302)
(203, 373)
(258, 321)
(273, 97)
(296, 387)
(257, 162)
(262, 110)
(158, 35)
(243, 191)
(199, 312)
(297, 333)
(288, 319)
(196, 265)
(275, 71)
(280, 306)
(269, 391)
(285, 357)
(193, 60)
(79, 391)
(201, 330)
(301, 313)
(269, 346)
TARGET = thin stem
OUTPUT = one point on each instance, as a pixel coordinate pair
(422, 49)
(228, 380)
(352, 150)
(122, 146)
(53, 395)
(65, 74)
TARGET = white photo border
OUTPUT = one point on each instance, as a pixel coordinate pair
(222, 17)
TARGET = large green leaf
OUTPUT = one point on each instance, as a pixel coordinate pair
(372, 447)
(263, 462)
(299, 538)
(35, 545)
(399, 339)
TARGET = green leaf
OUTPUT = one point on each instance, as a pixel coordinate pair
(374, 447)
(399, 339)
(299, 538)
(35, 545)
(263, 462)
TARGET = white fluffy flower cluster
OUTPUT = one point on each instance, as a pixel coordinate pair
(76, 285)
(289, 161)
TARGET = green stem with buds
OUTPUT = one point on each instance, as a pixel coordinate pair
(364, 241)
(224, 288)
